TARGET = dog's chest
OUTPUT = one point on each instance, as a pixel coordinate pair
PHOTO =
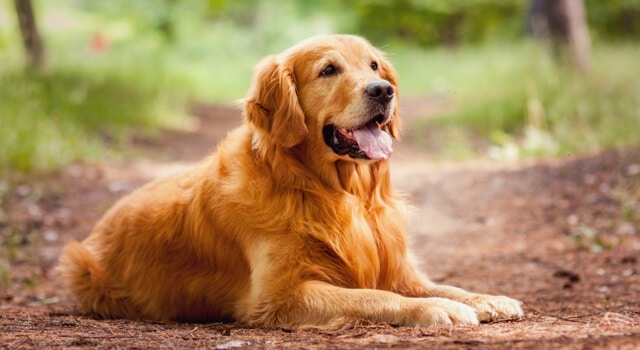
(361, 251)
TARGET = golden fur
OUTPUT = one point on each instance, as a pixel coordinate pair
(274, 229)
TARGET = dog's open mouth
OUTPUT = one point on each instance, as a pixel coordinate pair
(366, 142)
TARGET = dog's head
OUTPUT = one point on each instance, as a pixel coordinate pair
(335, 94)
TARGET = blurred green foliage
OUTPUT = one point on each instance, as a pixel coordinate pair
(514, 100)
(431, 22)
(455, 22)
(435, 22)
(614, 19)
(118, 66)
(53, 117)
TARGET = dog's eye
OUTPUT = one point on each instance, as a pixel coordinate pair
(374, 66)
(328, 70)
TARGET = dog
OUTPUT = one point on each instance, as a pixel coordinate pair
(292, 222)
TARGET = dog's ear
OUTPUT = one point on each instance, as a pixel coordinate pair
(272, 103)
(388, 73)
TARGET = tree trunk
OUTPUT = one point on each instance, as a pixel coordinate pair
(565, 23)
(30, 34)
(579, 40)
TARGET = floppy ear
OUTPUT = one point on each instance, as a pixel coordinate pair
(272, 103)
(388, 73)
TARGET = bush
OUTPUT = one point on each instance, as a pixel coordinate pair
(454, 22)
(441, 21)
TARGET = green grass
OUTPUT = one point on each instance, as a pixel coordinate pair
(77, 111)
(83, 105)
(519, 99)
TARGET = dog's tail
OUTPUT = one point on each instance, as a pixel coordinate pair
(80, 272)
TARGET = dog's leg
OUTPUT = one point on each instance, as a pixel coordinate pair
(488, 307)
(321, 304)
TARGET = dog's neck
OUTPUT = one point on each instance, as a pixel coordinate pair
(370, 181)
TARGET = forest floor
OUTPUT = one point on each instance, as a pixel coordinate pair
(562, 235)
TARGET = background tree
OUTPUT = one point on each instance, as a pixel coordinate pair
(30, 34)
(564, 23)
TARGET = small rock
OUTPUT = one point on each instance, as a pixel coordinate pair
(633, 169)
(232, 344)
(628, 272)
(118, 186)
(50, 236)
(23, 190)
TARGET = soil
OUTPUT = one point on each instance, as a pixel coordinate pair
(562, 235)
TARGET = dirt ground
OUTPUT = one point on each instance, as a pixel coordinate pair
(562, 235)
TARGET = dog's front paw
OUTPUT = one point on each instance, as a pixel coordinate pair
(492, 307)
(444, 312)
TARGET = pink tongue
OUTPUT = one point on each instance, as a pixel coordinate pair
(374, 142)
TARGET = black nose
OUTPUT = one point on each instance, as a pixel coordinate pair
(381, 91)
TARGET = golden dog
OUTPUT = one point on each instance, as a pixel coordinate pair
(292, 222)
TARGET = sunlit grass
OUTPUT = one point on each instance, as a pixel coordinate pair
(518, 98)
(508, 100)
(87, 101)
(79, 111)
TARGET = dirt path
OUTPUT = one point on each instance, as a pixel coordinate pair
(562, 235)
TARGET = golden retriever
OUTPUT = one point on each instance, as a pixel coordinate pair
(291, 222)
